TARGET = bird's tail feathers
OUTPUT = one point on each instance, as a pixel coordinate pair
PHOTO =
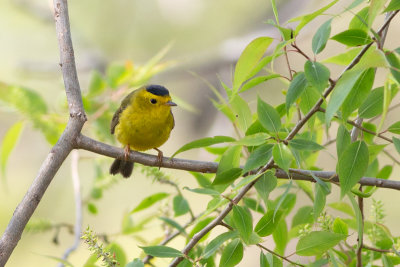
(123, 167)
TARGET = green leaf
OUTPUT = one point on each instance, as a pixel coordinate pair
(173, 223)
(258, 80)
(353, 37)
(341, 91)
(242, 112)
(199, 226)
(273, 4)
(321, 37)
(282, 156)
(253, 140)
(202, 180)
(249, 59)
(96, 84)
(345, 58)
(243, 222)
(268, 223)
(204, 142)
(227, 177)
(296, 88)
(269, 260)
(394, 65)
(232, 254)
(360, 20)
(393, 5)
(135, 263)
(204, 191)
(286, 33)
(280, 236)
(308, 99)
(395, 128)
(9, 141)
(396, 142)
(304, 145)
(358, 93)
(253, 204)
(32, 106)
(317, 74)
(373, 105)
(340, 227)
(180, 205)
(162, 251)
(268, 116)
(303, 216)
(375, 8)
(343, 140)
(265, 184)
(230, 159)
(217, 242)
(149, 201)
(385, 172)
(352, 165)
(304, 20)
(286, 200)
(317, 243)
(92, 208)
(359, 218)
(259, 157)
(319, 201)
(117, 252)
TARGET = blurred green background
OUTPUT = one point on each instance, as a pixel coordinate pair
(206, 38)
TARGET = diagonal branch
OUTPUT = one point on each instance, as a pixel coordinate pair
(61, 149)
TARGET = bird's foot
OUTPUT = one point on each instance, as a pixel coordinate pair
(159, 157)
(127, 151)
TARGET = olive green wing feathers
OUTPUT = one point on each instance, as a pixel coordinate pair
(115, 119)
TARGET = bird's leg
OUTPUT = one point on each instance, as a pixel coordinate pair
(127, 151)
(160, 157)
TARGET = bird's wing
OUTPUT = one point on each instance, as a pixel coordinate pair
(173, 120)
(115, 119)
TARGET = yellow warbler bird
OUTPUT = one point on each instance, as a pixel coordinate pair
(143, 121)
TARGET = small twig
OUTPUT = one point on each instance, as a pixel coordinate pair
(362, 128)
(294, 45)
(391, 157)
(78, 205)
(377, 249)
(361, 236)
(169, 238)
(389, 109)
(279, 256)
(263, 247)
(288, 64)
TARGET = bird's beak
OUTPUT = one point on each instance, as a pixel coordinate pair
(170, 103)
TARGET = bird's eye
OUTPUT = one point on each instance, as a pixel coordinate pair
(153, 101)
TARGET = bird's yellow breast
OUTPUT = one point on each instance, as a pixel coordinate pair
(144, 127)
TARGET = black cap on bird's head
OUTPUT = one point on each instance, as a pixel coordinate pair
(157, 90)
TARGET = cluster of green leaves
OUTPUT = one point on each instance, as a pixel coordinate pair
(263, 137)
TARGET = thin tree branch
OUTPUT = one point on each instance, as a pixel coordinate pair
(84, 142)
(170, 237)
(78, 205)
(61, 149)
(358, 126)
(279, 256)
(377, 249)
